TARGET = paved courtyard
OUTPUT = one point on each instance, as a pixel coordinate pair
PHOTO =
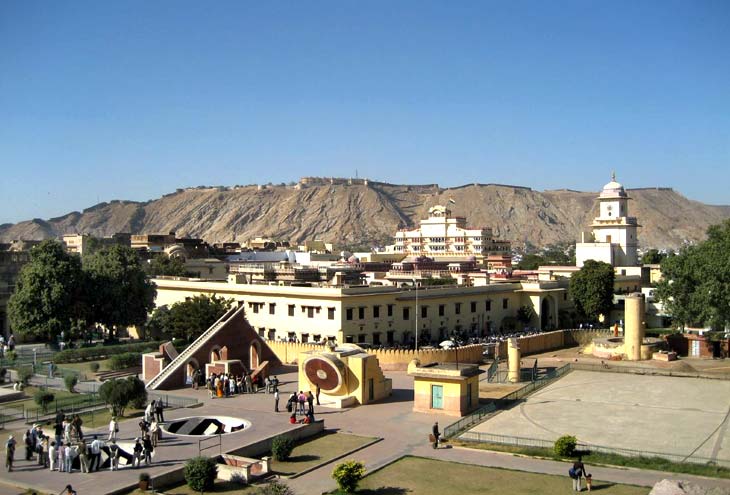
(685, 416)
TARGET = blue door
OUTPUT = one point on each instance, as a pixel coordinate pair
(437, 397)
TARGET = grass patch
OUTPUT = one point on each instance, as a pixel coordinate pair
(219, 487)
(433, 477)
(317, 450)
(83, 366)
(30, 390)
(654, 463)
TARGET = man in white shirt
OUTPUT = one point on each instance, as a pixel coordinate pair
(95, 448)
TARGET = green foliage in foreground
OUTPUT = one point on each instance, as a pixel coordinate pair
(565, 445)
(200, 473)
(348, 475)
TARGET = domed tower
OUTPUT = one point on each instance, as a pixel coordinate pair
(613, 236)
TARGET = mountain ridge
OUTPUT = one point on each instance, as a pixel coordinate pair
(359, 212)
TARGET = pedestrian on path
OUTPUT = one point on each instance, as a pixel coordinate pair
(113, 456)
(159, 408)
(317, 393)
(310, 401)
(301, 399)
(52, 455)
(276, 401)
(113, 428)
(576, 473)
(9, 453)
(436, 434)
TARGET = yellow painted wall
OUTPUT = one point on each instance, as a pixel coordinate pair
(454, 391)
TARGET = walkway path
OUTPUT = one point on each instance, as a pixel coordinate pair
(403, 433)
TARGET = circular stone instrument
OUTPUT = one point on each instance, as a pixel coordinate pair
(327, 371)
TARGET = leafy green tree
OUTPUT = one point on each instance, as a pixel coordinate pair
(119, 292)
(48, 293)
(694, 285)
(565, 445)
(43, 398)
(70, 381)
(592, 290)
(652, 257)
(188, 319)
(530, 262)
(118, 394)
(163, 265)
(525, 314)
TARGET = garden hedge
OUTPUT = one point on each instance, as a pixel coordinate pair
(104, 351)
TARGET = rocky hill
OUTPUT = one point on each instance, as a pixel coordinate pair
(369, 213)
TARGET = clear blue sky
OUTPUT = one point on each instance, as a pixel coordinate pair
(108, 100)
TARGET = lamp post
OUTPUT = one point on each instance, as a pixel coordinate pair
(416, 285)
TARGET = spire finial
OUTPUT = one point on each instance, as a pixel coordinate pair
(613, 176)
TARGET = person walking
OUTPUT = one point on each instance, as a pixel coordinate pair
(61, 457)
(576, 473)
(148, 411)
(84, 461)
(52, 456)
(436, 434)
(301, 398)
(113, 456)
(317, 390)
(68, 457)
(147, 448)
(310, 401)
(155, 433)
(113, 428)
(159, 408)
(137, 459)
(96, 447)
(276, 401)
(9, 453)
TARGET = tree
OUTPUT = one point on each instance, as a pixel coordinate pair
(70, 381)
(163, 265)
(530, 262)
(348, 475)
(652, 257)
(525, 314)
(694, 285)
(43, 398)
(118, 394)
(188, 319)
(592, 289)
(200, 473)
(565, 445)
(120, 294)
(48, 293)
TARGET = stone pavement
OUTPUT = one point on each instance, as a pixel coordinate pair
(403, 433)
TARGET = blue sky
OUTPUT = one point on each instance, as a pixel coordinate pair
(131, 100)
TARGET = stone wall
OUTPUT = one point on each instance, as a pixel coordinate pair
(390, 359)
(548, 341)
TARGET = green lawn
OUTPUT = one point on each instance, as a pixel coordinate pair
(432, 477)
(83, 366)
(220, 487)
(29, 402)
(318, 450)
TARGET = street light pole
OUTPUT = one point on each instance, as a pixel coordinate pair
(414, 283)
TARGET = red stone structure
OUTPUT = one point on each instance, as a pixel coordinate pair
(229, 345)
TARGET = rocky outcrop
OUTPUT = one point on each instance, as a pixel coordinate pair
(359, 214)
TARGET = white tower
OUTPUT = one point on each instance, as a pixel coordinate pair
(613, 236)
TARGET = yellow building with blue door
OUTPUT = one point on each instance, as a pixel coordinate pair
(445, 388)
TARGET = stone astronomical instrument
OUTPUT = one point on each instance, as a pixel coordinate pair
(327, 371)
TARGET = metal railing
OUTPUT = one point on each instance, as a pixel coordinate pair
(481, 437)
(492, 370)
(467, 421)
(172, 401)
(477, 416)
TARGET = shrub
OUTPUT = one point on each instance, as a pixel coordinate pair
(103, 351)
(24, 374)
(43, 398)
(94, 366)
(11, 356)
(281, 448)
(348, 475)
(275, 488)
(126, 360)
(565, 445)
(70, 381)
(200, 473)
(3, 374)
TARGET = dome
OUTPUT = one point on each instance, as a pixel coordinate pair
(613, 189)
